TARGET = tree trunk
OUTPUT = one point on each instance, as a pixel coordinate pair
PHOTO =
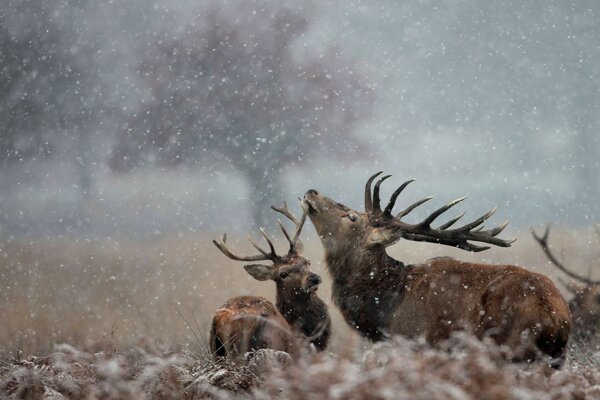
(265, 189)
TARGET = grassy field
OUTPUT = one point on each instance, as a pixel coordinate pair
(111, 296)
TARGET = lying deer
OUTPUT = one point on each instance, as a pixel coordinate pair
(251, 323)
(585, 305)
(380, 296)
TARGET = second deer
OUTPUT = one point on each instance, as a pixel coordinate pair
(250, 323)
(585, 304)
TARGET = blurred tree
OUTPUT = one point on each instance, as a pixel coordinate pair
(232, 88)
(49, 86)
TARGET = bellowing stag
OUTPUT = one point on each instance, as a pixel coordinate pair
(585, 304)
(380, 296)
(299, 315)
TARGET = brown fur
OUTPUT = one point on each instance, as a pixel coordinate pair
(380, 296)
(249, 323)
(585, 309)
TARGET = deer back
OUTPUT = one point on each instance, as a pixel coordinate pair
(250, 323)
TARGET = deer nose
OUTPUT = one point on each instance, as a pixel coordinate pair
(314, 279)
(312, 192)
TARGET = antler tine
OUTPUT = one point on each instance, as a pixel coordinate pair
(223, 247)
(295, 243)
(416, 204)
(368, 198)
(376, 198)
(299, 229)
(392, 202)
(285, 233)
(286, 211)
(433, 216)
(271, 247)
(543, 241)
(452, 221)
(479, 220)
(495, 231)
(257, 247)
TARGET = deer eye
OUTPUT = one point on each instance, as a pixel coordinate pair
(283, 275)
(351, 217)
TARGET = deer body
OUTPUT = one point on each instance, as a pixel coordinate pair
(249, 322)
(380, 296)
(442, 295)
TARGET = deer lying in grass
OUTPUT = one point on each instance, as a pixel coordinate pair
(251, 323)
(585, 304)
(380, 296)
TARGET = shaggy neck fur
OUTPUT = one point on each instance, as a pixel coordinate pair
(307, 313)
(367, 286)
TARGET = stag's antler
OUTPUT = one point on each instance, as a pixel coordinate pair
(264, 255)
(457, 237)
(271, 255)
(295, 243)
(543, 241)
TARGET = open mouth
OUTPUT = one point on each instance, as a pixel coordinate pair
(309, 206)
(311, 289)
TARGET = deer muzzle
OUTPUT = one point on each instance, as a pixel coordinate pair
(309, 201)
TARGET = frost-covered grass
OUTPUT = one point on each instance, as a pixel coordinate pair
(462, 368)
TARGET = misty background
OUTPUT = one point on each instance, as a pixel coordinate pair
(153, 118)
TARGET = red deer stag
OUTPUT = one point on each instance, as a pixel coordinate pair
(585, 305)
(251, 323)
(380, 296)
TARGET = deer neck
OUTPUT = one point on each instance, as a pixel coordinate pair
(303, 311)
(294, 304)
(367, 286)
(350, 261)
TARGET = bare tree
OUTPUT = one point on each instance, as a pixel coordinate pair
(231, 88)
(49, 84)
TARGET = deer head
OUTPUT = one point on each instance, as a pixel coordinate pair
(379, 228)
(291, 271)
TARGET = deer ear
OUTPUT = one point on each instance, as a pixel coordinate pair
(260, 272)
(385, 236)
(574, 287)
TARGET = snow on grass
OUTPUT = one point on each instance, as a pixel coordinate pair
(462, 368)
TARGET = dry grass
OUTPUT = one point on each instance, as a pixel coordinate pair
(109, 299)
